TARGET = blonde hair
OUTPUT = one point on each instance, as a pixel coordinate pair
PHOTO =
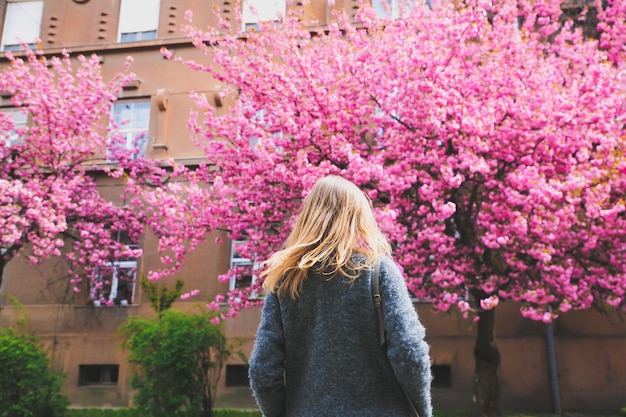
(335, 223)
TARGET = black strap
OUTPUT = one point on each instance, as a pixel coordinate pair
(381, 328)
(378, 303)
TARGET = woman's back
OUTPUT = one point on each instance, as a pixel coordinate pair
(333, 363)
(317, 351)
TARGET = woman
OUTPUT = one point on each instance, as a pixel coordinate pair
(317, 352)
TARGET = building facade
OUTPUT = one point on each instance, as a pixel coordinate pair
(588, 350)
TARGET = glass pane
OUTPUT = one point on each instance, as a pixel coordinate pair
(116, 284)
(139, 16)
(98, 374)
(22, 23)
(20, 120)
(133, 121)
(138, 36)
(262, 10)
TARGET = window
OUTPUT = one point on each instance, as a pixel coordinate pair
(385, 8)
(262, 120)
(98, 374)
(132, 119)
(20, 120)
(237, 261)
(22, 23)
(255, 11)
(139, 20)
(237, 376)
(393, 9)
(117, 284)
(442, 376)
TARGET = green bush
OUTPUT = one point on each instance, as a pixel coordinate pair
(178, 358)
(28, 387)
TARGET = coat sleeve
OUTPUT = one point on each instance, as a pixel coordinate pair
(267, 362)
(406, 349)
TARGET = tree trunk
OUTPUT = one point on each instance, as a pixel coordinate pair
(487, 375)
(2, 264)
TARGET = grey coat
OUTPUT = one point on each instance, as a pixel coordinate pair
(318, 355)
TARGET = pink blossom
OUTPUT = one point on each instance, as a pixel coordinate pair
(490, 302)
(213, 305)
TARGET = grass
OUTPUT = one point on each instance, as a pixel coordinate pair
(129, 412)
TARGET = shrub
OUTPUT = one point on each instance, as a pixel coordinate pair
(161, 297)
(178, 358)
(28, 387)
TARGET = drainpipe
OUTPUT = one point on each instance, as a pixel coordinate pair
(554, 378)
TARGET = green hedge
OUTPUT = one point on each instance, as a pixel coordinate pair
(131, 412)
(28, 387)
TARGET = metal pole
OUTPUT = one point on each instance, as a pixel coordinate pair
(554, 378)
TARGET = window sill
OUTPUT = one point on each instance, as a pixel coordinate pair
(104, 306)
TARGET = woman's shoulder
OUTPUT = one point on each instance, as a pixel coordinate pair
(388, 265)
(390, 273)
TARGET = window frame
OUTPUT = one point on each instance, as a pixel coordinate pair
(18, 29)
(237, 261)
(442, 376)
(113, 369)
(253, 14)
(109, 292)
(236, 375)
(19, 123)
(134, 136)
(129, 30)
(385, 9)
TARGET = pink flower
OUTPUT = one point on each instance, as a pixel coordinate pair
(489, 303)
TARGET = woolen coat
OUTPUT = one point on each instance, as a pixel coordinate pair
(318, 355)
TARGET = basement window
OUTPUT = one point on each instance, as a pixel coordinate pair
(237, 376)
(98, 374)
(442, 376)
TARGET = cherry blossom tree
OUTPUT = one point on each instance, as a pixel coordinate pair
(50, 201)
(488, 134)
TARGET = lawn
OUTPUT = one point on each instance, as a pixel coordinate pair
(129, 412)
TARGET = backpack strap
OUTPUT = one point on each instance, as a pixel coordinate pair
(381, 329)
(378, 303)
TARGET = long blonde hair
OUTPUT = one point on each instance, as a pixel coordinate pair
(335, 223)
